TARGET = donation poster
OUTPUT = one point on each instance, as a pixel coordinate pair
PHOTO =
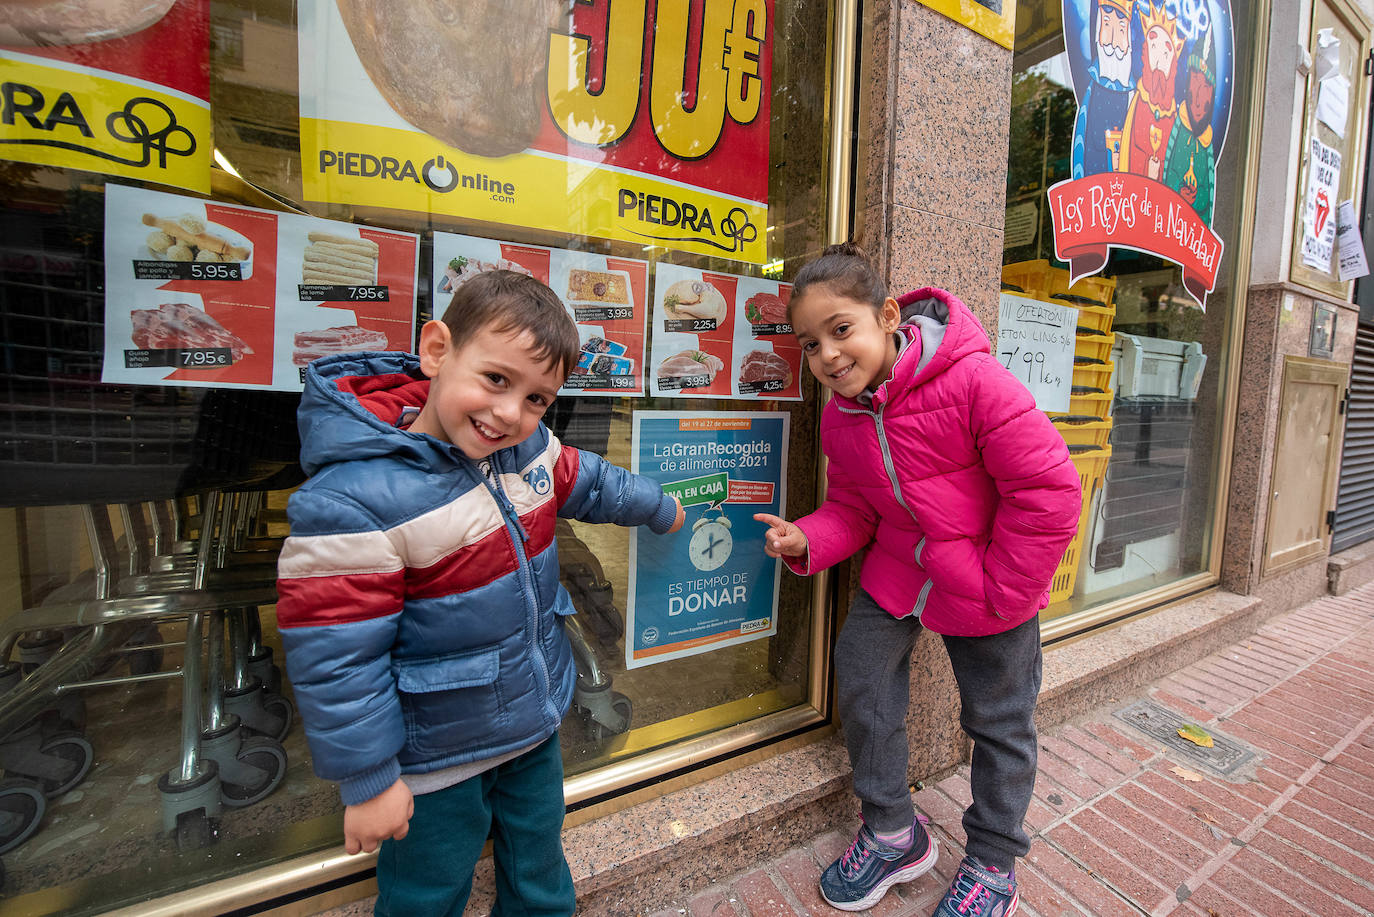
(199, 293)
(710, 584)
(1319, 205)
(607, 298)
(722, 336)
(1035, 340)
(631, 120)
(119, 88)
(1154, 85)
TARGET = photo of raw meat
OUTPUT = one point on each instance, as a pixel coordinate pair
(460, 270)
(311, 345)
(765, 309)
(764, 366)
(691, 363)
(182, 325)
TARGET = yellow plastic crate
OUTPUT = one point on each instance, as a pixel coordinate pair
(1083, 429)
(1092, 468)
(1093, 318)
(1093, 375)
(1031, 276)
(1094, 291)
(1094, 346)
(1091, 404)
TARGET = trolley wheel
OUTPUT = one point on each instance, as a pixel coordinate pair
(608, 727)
(21, 809)
(266, 670)
(194, 831)
(75, 755)
(265, 756)
(280, 708)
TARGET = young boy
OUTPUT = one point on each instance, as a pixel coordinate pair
(420, 606)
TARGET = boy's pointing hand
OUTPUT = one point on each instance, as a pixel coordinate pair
(782, 538)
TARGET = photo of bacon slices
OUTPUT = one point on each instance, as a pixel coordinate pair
(311, 345)
(182, 325)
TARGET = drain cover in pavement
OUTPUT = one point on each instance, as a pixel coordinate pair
(1160, 723)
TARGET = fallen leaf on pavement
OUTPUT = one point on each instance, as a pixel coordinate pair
(1196, 734)
(1191, 776)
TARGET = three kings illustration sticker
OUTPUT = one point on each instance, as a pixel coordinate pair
(1154, 84)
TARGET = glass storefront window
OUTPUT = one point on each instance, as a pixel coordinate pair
(1150, 362)
(124, 641)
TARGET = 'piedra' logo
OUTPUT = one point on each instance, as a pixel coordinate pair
(735, 228)
(146, 127)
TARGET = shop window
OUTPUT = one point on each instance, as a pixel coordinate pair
(1125, 182)
(140, 523)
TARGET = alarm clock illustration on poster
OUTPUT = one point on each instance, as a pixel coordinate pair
(711, 542)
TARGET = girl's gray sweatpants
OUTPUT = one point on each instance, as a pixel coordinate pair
(998, 678)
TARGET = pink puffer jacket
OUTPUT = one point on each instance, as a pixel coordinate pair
(962, 489)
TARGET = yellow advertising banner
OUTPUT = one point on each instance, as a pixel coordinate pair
(390, 167)
(124, 90)
(994, 19)
(90, 120)
(635, 121)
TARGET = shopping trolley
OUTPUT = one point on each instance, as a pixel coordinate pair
(190, 553)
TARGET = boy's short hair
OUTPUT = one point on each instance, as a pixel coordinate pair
(511, 301)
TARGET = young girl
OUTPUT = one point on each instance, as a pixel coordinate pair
(966, 499)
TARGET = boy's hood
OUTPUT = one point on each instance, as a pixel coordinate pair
(351, 405)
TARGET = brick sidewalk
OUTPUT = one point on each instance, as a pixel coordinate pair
(1125, 825)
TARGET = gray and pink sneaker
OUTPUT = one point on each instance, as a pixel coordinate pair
(979, 890)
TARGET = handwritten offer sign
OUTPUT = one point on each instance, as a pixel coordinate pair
(1035, 340)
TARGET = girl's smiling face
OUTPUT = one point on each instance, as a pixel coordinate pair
(486, 395)
(848, 344)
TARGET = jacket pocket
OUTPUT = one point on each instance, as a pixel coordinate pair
(452, 701)
(956, 566)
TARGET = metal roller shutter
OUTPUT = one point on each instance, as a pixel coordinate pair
(1355, 501)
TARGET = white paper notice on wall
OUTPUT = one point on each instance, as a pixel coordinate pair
(1035, 340)
(1318, 227)
(1349, 243)
(1333, 103)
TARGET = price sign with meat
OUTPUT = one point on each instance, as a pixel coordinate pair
(722, 336)
(207, 294)
(606, 297)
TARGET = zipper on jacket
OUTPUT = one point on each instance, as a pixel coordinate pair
(887, 464)
(519, 536)
(921, 599)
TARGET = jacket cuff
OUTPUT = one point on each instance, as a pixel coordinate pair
(799, 565)
(664, 516)
(362, 787)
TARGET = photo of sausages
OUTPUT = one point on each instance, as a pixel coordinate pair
(339, 260)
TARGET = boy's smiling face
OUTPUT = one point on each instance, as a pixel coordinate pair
(486, 395)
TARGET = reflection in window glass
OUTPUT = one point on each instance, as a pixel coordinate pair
(1148, 358)
(109, 491)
